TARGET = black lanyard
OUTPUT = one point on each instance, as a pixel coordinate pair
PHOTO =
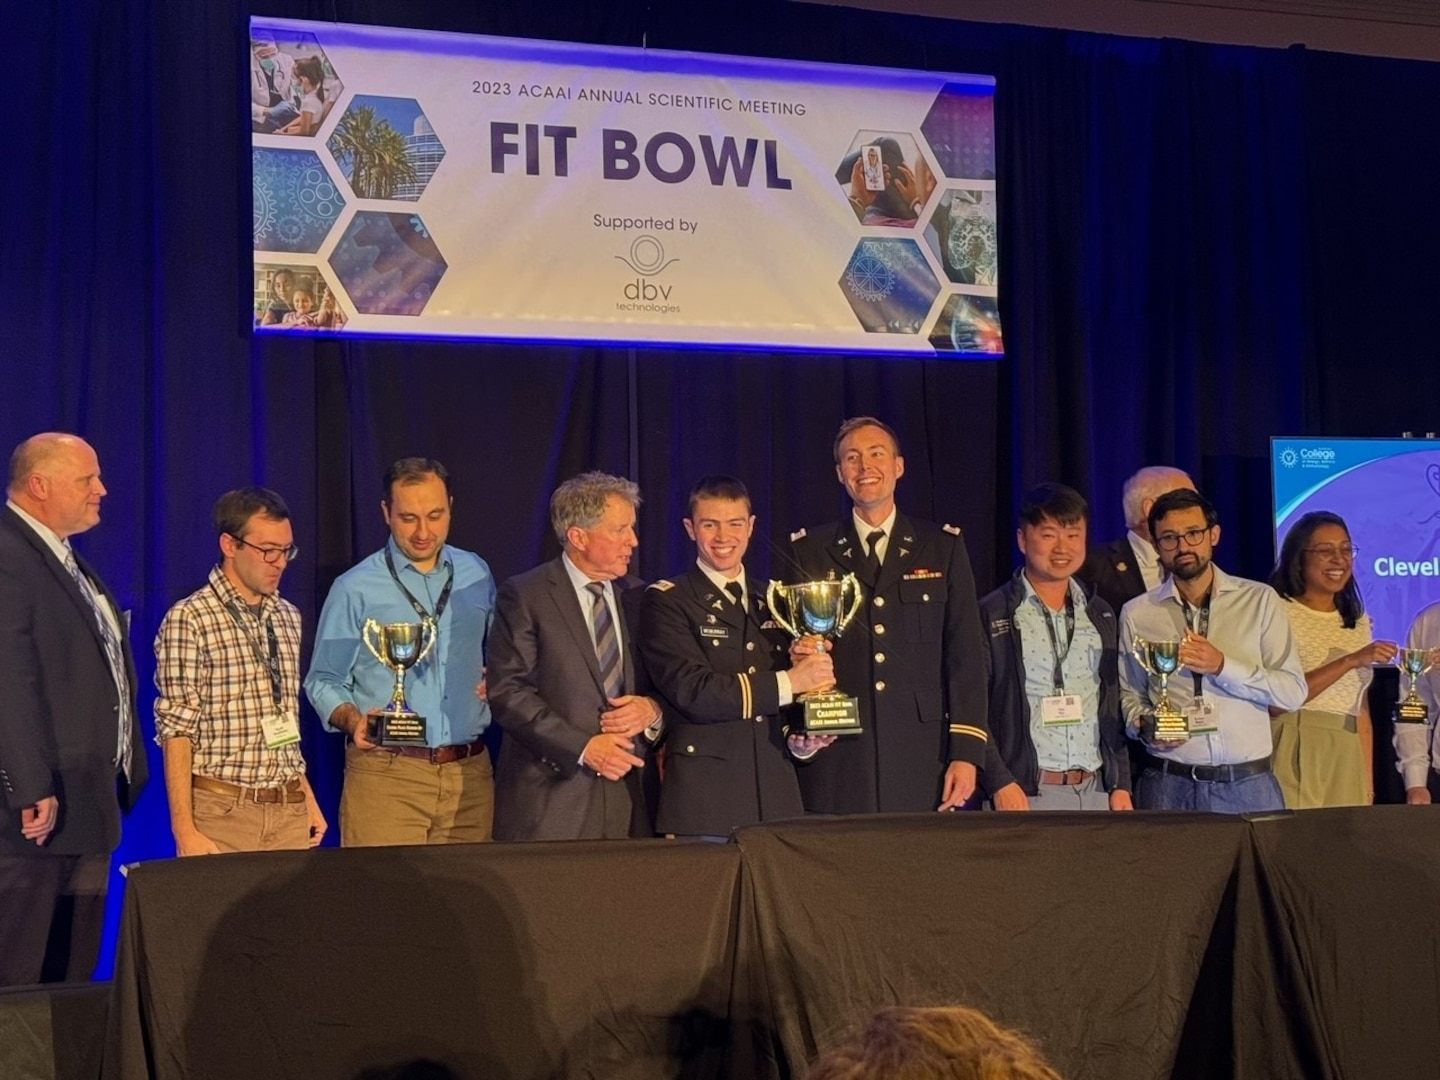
(270, 662)
(425, 616)
(1058, 675)
(1197, 619)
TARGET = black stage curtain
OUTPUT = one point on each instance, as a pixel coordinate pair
(1202, 246)
(1131, 947)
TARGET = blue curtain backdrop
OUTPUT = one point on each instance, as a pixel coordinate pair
(1202, 246)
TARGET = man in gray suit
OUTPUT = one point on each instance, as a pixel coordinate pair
(563, 680)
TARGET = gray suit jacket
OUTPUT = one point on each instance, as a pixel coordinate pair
(546, 693)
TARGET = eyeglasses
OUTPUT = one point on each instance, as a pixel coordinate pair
(271, 555)
(1171, 541)
(1345, 552)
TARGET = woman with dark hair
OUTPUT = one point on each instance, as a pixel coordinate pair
(310, 74)
(1323, 752)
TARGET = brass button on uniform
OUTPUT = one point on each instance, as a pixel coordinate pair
(880, 685)
(879, 601)
(752, 670)
(689, 749)
(749, 646)
(879, 658)
(880, 628)
(925, 597)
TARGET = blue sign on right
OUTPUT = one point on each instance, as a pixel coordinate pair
(1388, 492)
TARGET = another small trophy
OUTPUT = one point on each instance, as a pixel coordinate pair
(820, 607)
(1413, 662)
(398, 646)
(1162, 659)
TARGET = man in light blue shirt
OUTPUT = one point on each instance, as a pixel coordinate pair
(1238, 661)
(443, 792)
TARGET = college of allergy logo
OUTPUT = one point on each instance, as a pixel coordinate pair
(1288, 457)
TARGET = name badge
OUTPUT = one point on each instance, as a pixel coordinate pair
(1201, 714)
(714, 632)
(1061, 709)
(280, 729)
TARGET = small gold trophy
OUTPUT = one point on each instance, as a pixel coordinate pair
(1162, 659)
(820, 607)
(399, 647)
(1414, 663)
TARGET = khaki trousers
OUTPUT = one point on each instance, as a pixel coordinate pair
(390, 799)
(237, 824)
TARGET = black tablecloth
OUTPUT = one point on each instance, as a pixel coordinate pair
(1144, 945)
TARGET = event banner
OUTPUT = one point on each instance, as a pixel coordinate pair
(419, 183)
(1388, 492)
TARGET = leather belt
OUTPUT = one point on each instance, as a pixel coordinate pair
(438, 755)
(1212, 774)
(292, 792)
(1071, 777)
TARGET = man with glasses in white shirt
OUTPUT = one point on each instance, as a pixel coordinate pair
(1237, 661)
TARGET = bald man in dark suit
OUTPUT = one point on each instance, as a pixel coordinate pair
(71, 756)
(563, 681)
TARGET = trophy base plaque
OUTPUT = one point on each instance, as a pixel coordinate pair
(828, 713)
(1411, 712)
(1171, 726)
(391, 727)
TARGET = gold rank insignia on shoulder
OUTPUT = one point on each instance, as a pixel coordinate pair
(798, 534)
(953, 530)
(662, 585)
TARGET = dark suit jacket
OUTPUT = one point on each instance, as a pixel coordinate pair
(1113, 573)
(915, 659)
(547, 694)
(58, 703)
(726, 764)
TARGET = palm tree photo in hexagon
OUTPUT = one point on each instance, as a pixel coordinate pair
(386, 148)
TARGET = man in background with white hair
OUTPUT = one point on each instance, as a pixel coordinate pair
(1125, 568)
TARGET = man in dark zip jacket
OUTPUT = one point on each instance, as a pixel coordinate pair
(1057, 737)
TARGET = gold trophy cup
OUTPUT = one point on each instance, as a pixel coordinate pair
(1414, 663)
(399, 647)
(1162, 659)
(825, 608)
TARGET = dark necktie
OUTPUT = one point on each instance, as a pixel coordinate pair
(872, 556)
(116, 657)
(737, 593)
(607, 642)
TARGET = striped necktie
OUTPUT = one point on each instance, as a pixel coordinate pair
(607, 642)
(114, 654)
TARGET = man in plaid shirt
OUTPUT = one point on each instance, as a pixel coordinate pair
(227, 668)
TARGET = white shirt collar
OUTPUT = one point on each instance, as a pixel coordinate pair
(719, 580)
(863, 529)
(1147, 559)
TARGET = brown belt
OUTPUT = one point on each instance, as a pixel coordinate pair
(1069, 776)
(292, 792)
(438, 755)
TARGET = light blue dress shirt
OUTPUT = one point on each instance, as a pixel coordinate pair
(440, 688)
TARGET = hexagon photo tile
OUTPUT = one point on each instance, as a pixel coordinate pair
(889, 286)
(388, 263)
(293, 86)
(294, 200)
(386, 147)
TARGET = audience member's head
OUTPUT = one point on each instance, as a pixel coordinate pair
(942, 1043)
